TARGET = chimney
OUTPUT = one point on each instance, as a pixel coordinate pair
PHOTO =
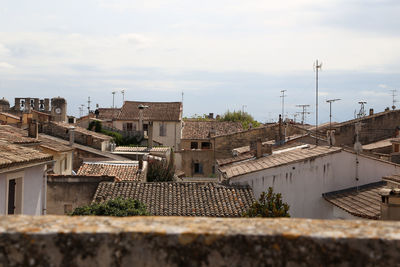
(17, 104)
(33, 128)
(371, 111)
(71, 135)
(150, 135)
(259, 149)
(267, 149)
(390, 204)
(46, 104)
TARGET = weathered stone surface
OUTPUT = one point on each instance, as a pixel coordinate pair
(177, 241)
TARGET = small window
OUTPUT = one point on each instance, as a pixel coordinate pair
(129, 127)
(194, 145)
(198, 168)
(163, 129)
(145, 127)
(205, 145)
(65, 163)
(396, 148)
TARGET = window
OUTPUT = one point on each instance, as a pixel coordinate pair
(65, 163)
(198, 168)
(163, 129)
(205, 145)
(14, 196)
(396, 148)
(129, 126)
(194, 145)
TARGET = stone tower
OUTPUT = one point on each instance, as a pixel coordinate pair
(59, 109)
(4, 105)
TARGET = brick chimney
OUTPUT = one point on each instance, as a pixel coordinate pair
(371, 111)
(390, 204)
(71, 135)
(259, 148)
(33, 128)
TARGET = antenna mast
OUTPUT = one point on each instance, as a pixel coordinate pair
(330, 101)
(393, 98)
(303, 113)
(283, 104)
(88, 105)
(123, 96)
(361, 113)
(316, 67)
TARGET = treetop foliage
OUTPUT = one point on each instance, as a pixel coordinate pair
(268, 205)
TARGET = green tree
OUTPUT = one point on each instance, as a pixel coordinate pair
(268, 205)
(114, 207)
(245, 118)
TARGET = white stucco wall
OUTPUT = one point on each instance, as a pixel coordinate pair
(302, 184)
(59, 165)
(32, 190)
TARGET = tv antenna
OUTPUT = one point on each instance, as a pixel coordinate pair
(283, 104)
(123, 96)
(88, 105)
(393, 98)
(330, 101)
(317, 67)
(361, 113)
(304, 112)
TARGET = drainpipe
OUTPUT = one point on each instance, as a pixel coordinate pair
(44, 187)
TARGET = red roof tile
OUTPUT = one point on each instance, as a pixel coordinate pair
(156, 111)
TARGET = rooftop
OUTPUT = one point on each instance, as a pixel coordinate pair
(156, 111)
(10, 115)
(363, 201)
(83, 131)
(15, 155)
(379, 144)
(122, 171)
(194, 129)
(141, 149)
(182, 198)
(275, 160)
(108, 113)
(16, 135)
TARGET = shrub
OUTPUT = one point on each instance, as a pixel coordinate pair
(115, 207)
(161, 171)
(245, 118)
(268, 205)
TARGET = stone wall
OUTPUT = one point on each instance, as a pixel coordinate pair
(83, 155)
(66, 192)
(178, 241)
(374, 128)
(187, 159)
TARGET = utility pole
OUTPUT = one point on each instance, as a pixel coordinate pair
(330, 101)
(283, 104)
(182, 97)
(317, 67)
(88, 105)
(304, 112)
(393, 98)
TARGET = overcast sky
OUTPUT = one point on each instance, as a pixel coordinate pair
(222, 54)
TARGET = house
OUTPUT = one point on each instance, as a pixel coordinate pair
(196, 156)
(23, 179)
(107, 115)
(62, 154)
(161, 121)
(302, 174)
(181, 198)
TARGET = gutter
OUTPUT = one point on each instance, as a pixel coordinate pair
(23, 166)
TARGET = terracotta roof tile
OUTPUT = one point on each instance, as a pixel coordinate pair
(141, 149)
(274, 160)
(182, 199)
(201, 129)
(363, 201)
(121, 171)
(13, 155)
(82, 130)
(15, 135)
(156, 111)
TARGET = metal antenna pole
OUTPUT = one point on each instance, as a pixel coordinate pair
(88, 107)
(123, 96)
(393, 98)
(304, 112)
(330, 101)
(317, 67)
(283, 104)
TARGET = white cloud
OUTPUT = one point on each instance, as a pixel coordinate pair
(5, 65)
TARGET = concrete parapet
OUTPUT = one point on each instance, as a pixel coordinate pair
(177, 241)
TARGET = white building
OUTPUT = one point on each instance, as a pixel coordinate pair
(164, 118)
(22, 180)
(304, 173)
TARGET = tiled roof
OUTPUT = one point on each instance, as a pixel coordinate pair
(142, 149)
(240, 157)
(121, 171)
(50, 143)
(363, 202)
(10, 115)
(156, 111)
(13, 155)
(379, 144)
(84, 131)
(108, 113)
(275, 160)
(395, 178)
(182, 199)
(201, 129)
(15, 135)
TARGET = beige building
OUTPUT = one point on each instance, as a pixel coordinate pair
(160, 121)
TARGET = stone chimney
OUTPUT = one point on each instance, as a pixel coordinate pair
(371, 111)
(390, 205)
(71, 135)
(33, 128)
(267, 149)
(150, 135)
(259, 148)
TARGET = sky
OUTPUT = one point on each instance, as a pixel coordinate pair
(223, 55)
